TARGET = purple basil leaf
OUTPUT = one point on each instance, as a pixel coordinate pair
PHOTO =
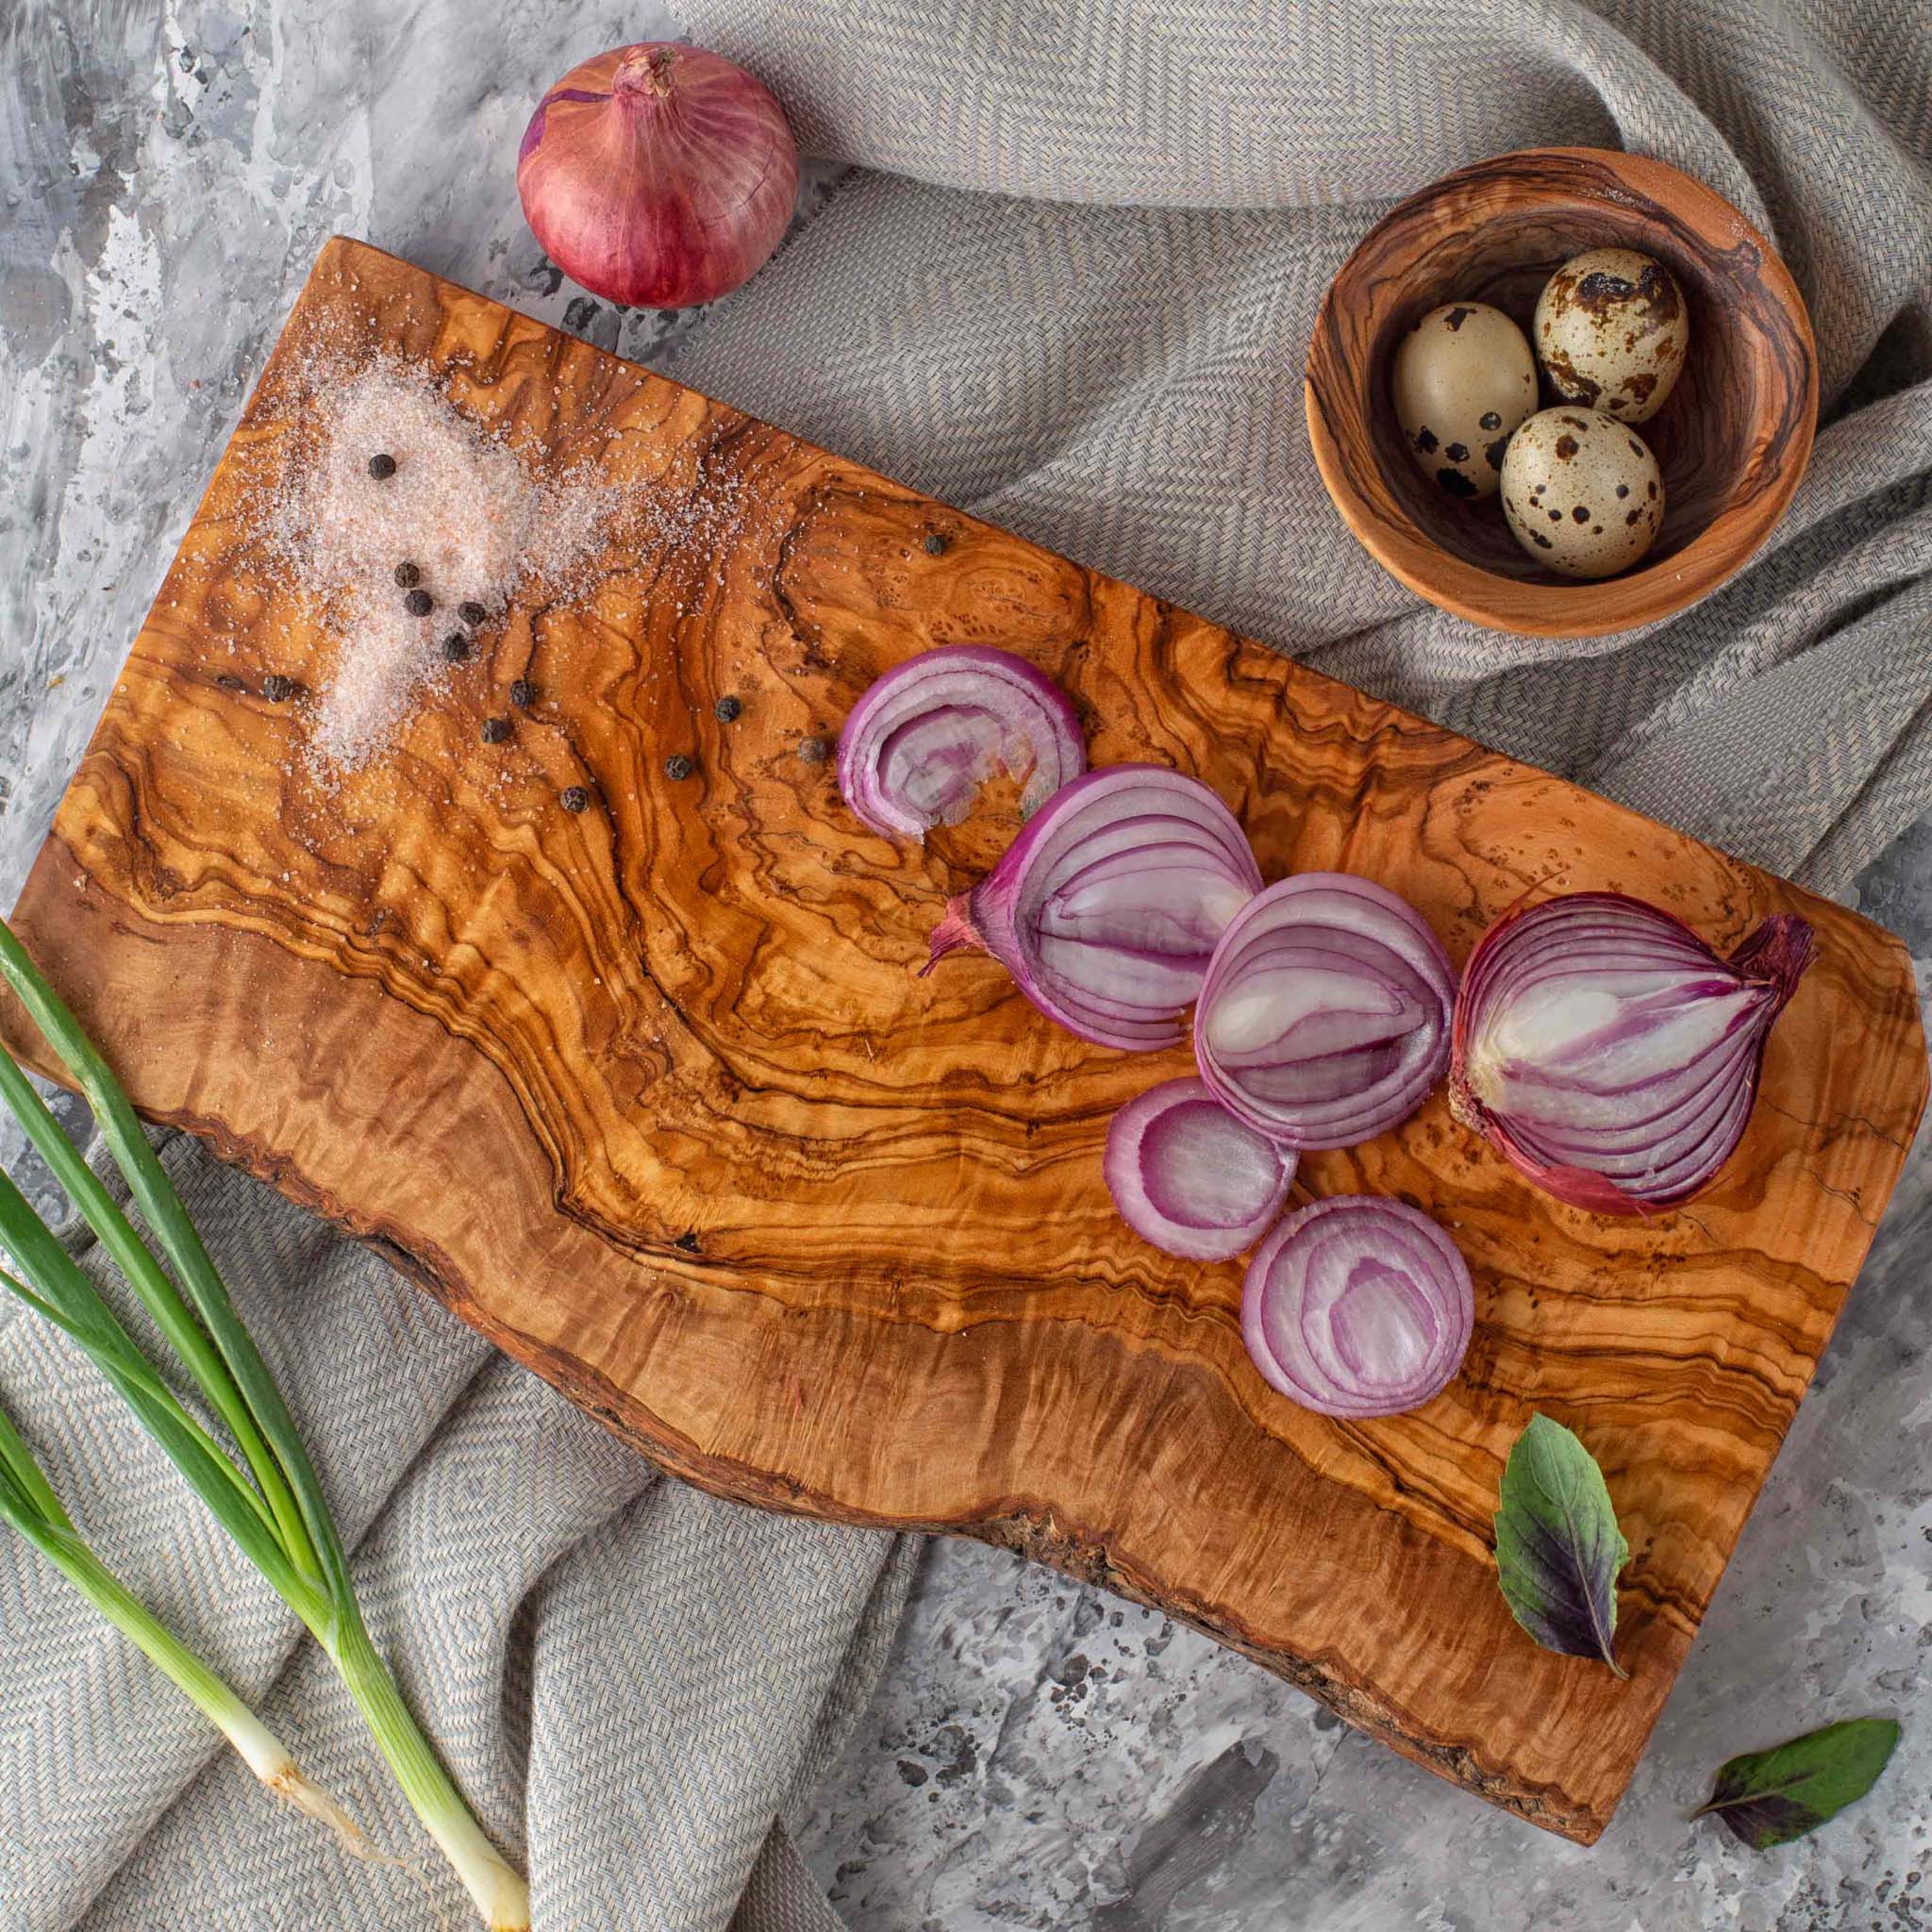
(1770, 1797)
(1558, 1545)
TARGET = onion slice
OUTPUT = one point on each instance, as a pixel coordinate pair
(1190, 1178)
(1325, 1013)
(922, 738)
(1356, 1306)
(1107, 907)
(1608, 1053)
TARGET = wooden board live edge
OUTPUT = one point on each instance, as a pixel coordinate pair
(652, 1096)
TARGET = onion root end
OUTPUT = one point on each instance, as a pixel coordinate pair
(955, 933)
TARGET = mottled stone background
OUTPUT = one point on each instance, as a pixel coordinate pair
(1040, 1755)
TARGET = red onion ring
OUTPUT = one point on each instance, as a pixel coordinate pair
(1608, 1053)
(1356, 1306)
(1107, 907)
(919, 742)
(1190, 1178)
(1325, 1016)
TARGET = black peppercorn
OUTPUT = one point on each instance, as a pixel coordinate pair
(472, 612)
(687, 1240)
(812, 750)
(522, 693)
(455, 647)
(407, 574)
(419, 602)
(726, 709)
(678, 766)
(935, 543)
(574, 798)
(382, 465)
(276, 688)
(495, 730)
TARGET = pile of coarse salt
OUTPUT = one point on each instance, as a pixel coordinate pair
(461, 506)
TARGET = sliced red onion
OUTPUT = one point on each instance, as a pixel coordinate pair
(1107, 907)
(926, 735)
(1602, 1048)
(1325, 1016)
(1358, 1307)
(1190, 1178)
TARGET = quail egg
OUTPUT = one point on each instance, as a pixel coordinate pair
(1581, 492)
(1611, 331)
(1463, 379)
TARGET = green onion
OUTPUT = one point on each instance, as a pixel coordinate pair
(28, 1502)
(272, 1505)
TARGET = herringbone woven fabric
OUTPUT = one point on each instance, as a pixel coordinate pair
(634, 1682)
(1072, 289)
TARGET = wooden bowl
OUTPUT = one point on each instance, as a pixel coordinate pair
(1732, 440)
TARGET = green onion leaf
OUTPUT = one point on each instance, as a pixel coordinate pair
(281, 1521)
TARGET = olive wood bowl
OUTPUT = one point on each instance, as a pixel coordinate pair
(1732, 439)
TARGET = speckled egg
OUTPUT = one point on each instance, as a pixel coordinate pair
(1611, 332)
(1582, 491)
(1463, 379)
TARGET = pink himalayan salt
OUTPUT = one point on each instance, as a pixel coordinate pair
(461, 506)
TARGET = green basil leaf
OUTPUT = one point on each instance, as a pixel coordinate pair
(1558, 1545)
(1770, 1797)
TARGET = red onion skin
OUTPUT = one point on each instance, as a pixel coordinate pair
(1776, 955)
(1576, 1186)
(657, 175)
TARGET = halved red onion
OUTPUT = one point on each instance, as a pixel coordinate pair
(1325, 1016)
(1358, 1307)
(1190, 1178)
(1607, 1053)
(1107, 907)
(926, 735)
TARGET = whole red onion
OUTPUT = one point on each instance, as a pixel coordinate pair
(657, 175)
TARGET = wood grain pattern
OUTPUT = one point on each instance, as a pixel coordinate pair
(652, 1096)
(1732, 440)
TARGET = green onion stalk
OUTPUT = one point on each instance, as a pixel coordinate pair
(28, 1504)
(272, 1504)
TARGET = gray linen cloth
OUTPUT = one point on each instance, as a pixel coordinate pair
(633, 1682)
(1069, 288)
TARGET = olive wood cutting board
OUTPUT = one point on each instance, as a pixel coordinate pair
(652, 1095)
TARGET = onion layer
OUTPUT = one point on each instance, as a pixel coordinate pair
(1606, 1052)
(925, 735)
(1190, 1178)
(657, 175)
(1356, 1306)
(1325, 1013)
(1107, 907)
